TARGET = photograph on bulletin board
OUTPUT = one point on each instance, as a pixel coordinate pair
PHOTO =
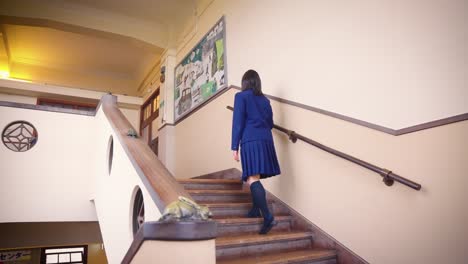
(202, 73)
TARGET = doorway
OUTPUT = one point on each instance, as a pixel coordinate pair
(148, 114)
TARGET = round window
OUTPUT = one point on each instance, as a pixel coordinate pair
(19, 136)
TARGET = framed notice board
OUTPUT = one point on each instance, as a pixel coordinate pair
(202, 72)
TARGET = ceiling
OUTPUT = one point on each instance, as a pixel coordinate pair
(52, 56)
(167, 12)
(58, 45)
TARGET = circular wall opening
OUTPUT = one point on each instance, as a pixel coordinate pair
(138, 217)
(19, 136)
(110, 153)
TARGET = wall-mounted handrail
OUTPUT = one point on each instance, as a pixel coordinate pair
(388, 176)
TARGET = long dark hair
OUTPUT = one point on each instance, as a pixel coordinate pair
(251, 80)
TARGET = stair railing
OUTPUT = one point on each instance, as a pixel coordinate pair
(388, 176)
(158, 181)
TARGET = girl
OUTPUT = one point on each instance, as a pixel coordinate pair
(251, 129)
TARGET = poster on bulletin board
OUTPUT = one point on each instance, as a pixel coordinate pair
(202, 72)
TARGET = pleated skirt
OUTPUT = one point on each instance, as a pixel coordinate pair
(259, 157)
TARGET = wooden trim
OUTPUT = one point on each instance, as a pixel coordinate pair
(321, 238)
(42, 100)
(432, 124)
(48, 108)
(394, 132)
(390, 131)
(171, 231)
(153, 116)
(164, 125)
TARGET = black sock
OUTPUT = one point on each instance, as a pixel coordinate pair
(259, 197)
(255, 211)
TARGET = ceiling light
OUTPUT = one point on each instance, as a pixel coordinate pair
(4, 74)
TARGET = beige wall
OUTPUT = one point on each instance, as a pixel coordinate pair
(176, 252)
(393, 63)
(381, 224)
(52, 181)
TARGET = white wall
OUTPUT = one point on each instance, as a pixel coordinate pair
(18, 98)
(53, 181)
(114, 193)
(392, 63)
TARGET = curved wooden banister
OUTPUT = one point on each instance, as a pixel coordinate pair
(388, 176)
(159, 182)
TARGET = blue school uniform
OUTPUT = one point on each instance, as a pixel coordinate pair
(251, 130)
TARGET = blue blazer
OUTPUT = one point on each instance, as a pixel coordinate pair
(252, 119)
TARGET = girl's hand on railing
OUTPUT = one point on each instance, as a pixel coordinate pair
(235, 153)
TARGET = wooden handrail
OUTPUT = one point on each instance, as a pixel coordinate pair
(388, 176)
(158, 181)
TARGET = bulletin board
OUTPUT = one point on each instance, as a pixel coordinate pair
(202, 72)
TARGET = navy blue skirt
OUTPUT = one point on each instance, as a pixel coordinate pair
(259, 157)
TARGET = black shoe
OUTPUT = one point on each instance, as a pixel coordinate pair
(267, 226)
(254, 212)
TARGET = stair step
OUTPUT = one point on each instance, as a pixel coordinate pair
(250, 239)
(211, 184)
(317, 256)
(254, 244)
(227, 205)
(237, 209)
(206, 196)
(217, 192)
(238, 225)
(247, 220)
(212, 181)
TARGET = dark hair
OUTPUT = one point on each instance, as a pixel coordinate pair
(251, 80)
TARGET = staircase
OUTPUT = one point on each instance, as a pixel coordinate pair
(238, 240)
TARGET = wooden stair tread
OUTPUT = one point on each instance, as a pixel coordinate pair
(283, 257)
(243, 192)
(214, 181)
(246, 220)
(248, 239)
(226, 205)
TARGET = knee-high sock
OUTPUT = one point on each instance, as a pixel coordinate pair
(259, 196)
(254, 211)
